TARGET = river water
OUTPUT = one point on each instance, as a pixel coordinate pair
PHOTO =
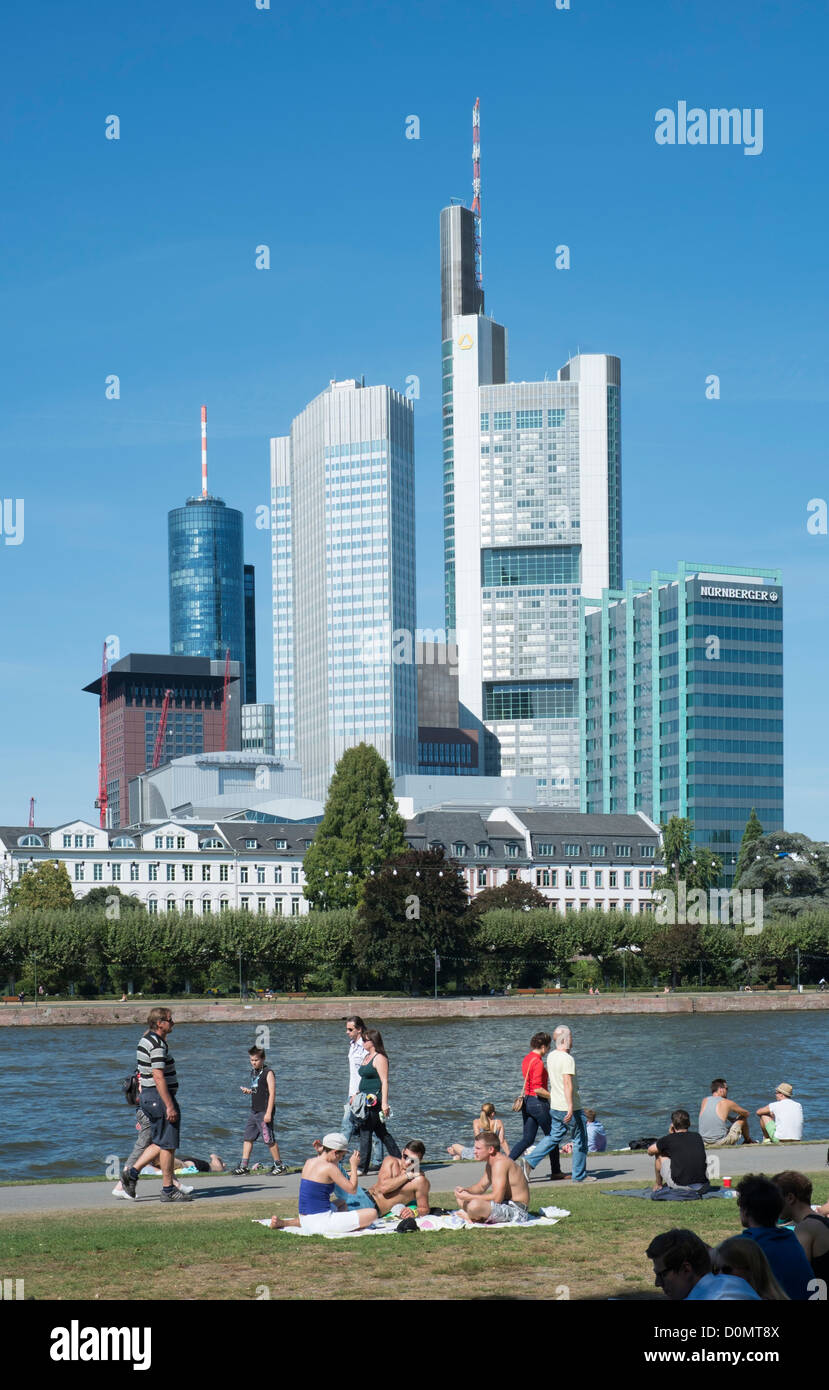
(62, 1112)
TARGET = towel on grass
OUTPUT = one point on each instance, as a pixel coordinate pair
(668, 1194)
(453, 1222)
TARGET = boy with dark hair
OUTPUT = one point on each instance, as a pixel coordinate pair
(400, 1181)
(682, 1269)
(811, 1229)
(262, 1092)
(680, 1159)
(760, 1203)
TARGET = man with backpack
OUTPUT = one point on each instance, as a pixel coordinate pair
(159, 1086)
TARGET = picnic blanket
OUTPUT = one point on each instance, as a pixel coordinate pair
(385, 1225)
(668, 1194)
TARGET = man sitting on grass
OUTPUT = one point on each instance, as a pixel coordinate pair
(680, 1158)
(510, 1197)
(682, 1270)
(400, 1181)
(760, 1204)
(811, 1229)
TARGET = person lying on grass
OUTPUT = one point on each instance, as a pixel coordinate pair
(510, 1196)
(321, 1174)
(400, 1181)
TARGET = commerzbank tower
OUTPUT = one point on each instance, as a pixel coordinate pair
(532, 519)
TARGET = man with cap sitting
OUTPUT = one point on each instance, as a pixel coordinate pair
(783, 1119)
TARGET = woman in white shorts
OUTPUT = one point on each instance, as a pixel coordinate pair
(317, 1212)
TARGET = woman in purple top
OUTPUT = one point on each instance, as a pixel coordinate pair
(317, 1213)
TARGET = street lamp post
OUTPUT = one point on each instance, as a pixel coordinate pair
(239, 954)
(34, 958)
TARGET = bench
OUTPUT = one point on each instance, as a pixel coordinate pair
(525, 991)
(10, 999)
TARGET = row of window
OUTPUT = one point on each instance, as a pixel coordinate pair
(188, 907)
(114, 874)
(548, 878)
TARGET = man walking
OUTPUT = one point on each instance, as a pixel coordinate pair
(566, 1115)
(159, 1087)
(355, 1032)
(262, 1092)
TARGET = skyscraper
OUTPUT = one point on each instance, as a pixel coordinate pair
(344, 581)
(531, 513)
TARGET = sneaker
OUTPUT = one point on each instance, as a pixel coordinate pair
(184, 1188)
(278, 1169)
(525, 1168)
(241, 1169)
(177, 1195)
(128, 1186)
(587, 1179)
(557, 1177)
(118, 1191)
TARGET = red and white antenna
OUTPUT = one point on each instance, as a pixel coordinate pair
(204, 451)
(476, 188)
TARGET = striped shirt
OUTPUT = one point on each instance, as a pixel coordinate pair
(152, 1053)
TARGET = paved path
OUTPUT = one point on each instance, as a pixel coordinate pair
(618, 1170)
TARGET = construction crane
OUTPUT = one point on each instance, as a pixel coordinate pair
(162, 728)
(224, 701)
(101, 802)
(31, 813)
(476, 189)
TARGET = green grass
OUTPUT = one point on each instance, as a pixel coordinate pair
(212, 1250)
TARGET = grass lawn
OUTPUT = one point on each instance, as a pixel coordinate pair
(211, 1250)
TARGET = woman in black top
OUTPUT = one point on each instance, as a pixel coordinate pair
(374, 1085)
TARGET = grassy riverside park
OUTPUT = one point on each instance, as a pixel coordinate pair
(193, 1252)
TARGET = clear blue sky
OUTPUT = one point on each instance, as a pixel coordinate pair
(242, 126)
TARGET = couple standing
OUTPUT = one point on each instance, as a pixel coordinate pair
(551, 1103)
(367, 1107)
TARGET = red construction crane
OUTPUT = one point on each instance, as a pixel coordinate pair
(31, 813)
(102, 766)
(162, 728)
(224, 701)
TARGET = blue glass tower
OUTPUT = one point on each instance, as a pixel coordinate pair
(207, 580)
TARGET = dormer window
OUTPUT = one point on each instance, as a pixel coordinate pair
(251, 844)
(459, 850)
(123, 842)
(31, 842)
(512, 851)
(482, 851)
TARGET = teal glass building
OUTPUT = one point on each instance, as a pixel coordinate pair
(207, 581)
(681, 701)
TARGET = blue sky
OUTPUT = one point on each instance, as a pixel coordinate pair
(242, 127)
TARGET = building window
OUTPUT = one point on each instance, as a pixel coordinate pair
(568, 878)
(482, 878)
(646, 851)
(613, 878)
(260, 873)
(188, 906)
(159, 841)
(622, 851)
(261, 905)
(206, 908)
(205, 873)
(277, 874)
(152, 906)
(294, 907)
(628, 906)
(513, 851)
(169, 841)
(280, 844)
(546, 849)
(116, 873)
(224, 905)
(67, 842)
(188, 872)
(251, 844)
(513, 875)
(542, 878)
(571, 851)
(294, 873)
(598, 878)
(584, 907)
(180, 842)
(79, 872)
(243, 874)
(646, 878)
(583, 878)
(598, 851)
(90, 841)
(152, 873)
(97, 872)
(171, 873)
(79, 842)
(123, 842)
(171, 904)
(223, 873)
(459, 850)
(245, 904)
(277, 907)
(570, 907)
(133, 873)
(626, 882)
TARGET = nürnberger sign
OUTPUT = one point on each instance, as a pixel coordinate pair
(714, 591)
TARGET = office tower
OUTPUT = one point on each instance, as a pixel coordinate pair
(250, 634)
(136, 690)
(347, 542)
(531, 514)
(682, 701)
(257, 729)
(444, 748)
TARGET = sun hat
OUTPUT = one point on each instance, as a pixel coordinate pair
(784, 1089)
(334, 1141)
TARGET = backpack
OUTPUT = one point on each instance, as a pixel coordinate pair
(129, 1086)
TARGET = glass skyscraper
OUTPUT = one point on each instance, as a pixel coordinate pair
(681, 706)
(207, 580)
(532, 518)
(342, 488)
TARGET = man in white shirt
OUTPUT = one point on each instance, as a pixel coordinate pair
(783, 1119)
(566, 1115)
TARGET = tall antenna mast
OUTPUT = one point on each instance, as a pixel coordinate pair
(476, 188)
(204, 451)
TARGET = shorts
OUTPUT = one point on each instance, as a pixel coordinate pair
(734, 1133)
(467, 1153)
(513, 1212)
(667, 1178)
(255, 1129)
(165, 1134)
(143, 1139)
(319, 1223)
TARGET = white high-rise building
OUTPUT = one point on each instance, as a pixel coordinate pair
(532, 519)
(342, 488)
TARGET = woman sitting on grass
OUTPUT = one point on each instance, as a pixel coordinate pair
(486, 1121)
(320, 1175)
(746, 1260)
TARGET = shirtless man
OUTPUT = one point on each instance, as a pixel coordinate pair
(510, 1196)
(400, 1181)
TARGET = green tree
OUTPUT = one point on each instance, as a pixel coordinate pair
(415, 906)
(684, 863)
(675, 948)
(752, 833)
(360, 830)
(45, 887)
(792, 871)
(515, 894)
(106, 899)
